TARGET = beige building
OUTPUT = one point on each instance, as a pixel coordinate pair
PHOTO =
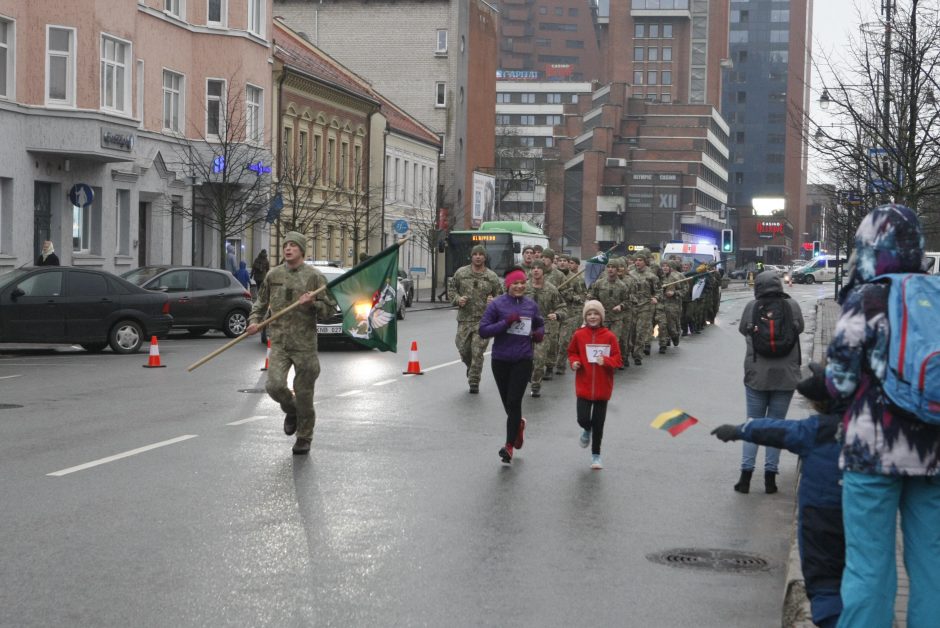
(99, 105)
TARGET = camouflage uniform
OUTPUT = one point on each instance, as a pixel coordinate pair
(293, 338)
(627, 340)
(612, 293)
(670, 309)
(574, 299)
(478, 287)
(648, 288)
(549, 301)
(556, 278)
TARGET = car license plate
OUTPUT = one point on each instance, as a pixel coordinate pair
(329, 329)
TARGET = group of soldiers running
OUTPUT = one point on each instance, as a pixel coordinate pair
(637, 295)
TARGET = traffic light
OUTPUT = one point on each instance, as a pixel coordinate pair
(817, 249)
(727, 240)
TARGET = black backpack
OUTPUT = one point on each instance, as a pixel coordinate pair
(772, 332)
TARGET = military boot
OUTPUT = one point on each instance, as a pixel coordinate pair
(744, 483)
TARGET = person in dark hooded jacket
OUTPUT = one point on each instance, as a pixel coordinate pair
(769, 382)
(819, 499)
(890, 460)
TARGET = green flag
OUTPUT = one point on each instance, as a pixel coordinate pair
(367, 297)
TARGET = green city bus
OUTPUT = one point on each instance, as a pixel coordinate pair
(503, 240)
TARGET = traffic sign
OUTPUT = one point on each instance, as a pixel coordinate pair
(81, 195)
(400, 226)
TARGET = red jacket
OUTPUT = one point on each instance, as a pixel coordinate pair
(592, 381)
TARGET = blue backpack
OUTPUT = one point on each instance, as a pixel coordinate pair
(912, 376)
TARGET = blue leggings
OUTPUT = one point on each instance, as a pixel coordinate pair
(870, 505)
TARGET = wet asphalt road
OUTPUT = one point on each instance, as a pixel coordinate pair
(401, 516)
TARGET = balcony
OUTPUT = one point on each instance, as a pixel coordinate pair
(610, 204)
(660, 8)
(611, 233)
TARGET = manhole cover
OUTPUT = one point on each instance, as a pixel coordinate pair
(252, 390)
(711, 560)
(9, 406)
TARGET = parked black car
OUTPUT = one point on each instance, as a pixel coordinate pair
(200, 298)
(92, 308)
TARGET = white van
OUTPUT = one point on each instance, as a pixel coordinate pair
(695, 254)
(822, 268)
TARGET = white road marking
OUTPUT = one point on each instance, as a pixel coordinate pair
(386, 382)
(349, 392)
(9, 376)
(126, 454)
(440, 366)
(250, 419)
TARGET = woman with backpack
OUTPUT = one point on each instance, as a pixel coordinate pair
(890, 457)
(771, 325)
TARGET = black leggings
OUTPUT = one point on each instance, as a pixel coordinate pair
(511, 380)
(591, 416)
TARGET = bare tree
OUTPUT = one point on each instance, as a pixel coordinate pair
(308, 196)
(357, 208)
(884, 140)
(228, 164)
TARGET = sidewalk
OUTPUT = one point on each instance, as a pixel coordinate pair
(796, 612)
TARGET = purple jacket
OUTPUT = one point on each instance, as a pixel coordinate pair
(510, 347)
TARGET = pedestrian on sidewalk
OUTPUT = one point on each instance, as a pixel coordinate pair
(819, 500)
(890, 460)
(771, 324)
(594, 354)
(514, 322)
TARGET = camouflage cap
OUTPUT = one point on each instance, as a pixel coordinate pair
(537, 263)
(548, 253)
(479, 248)
(575, 260)
(615, 263)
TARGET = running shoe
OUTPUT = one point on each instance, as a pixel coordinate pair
(585, 439)
(506, 453)
(596, 462)
(520, 435)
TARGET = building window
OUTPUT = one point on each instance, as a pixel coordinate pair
(215, 107)
(502, 119)
(60, 66)
(574, 99)
(343, 162)
(526, 120)
(216, 14)
(775, 158)
(737, 37)
(7, 58)
(739, 178)
(775, 138)
(666, 97)
(81, 228)
(779, 37)
(652, 54)
(357, 166)
(122, 226)
(553, 99)
(559, 11)
(302, 154)
(667, 77)
(638, 53)
(667, 53)
(330, 161)
(441, 41)
(527, 99)
(739, 137)
(543, 10)
(742, 97)
(317, 167)
(443, 138)
(667, 31)
(549, 141)
(256, 17)
(552, 120)
(287, 149)
(572, 12)
(543, 42)
(780, 15)
(574, 43)
(779, 56)
(638, 77)
(174, 7)
(172, 101)
(503, 98)
(639, 30)
(254, 125)
(440, 94)
(115, 82)
(654, 31)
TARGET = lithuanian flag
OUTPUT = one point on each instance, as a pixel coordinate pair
(675, 422)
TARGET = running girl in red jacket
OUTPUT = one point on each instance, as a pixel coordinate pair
(594, 355)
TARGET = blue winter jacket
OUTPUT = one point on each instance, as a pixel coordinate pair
(510, 347)
(822, 539)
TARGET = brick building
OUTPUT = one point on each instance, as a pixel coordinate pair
(550, 40)
(437, 60)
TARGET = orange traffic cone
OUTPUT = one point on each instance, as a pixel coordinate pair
(413, 367)
(154, 361)
(267, 356)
